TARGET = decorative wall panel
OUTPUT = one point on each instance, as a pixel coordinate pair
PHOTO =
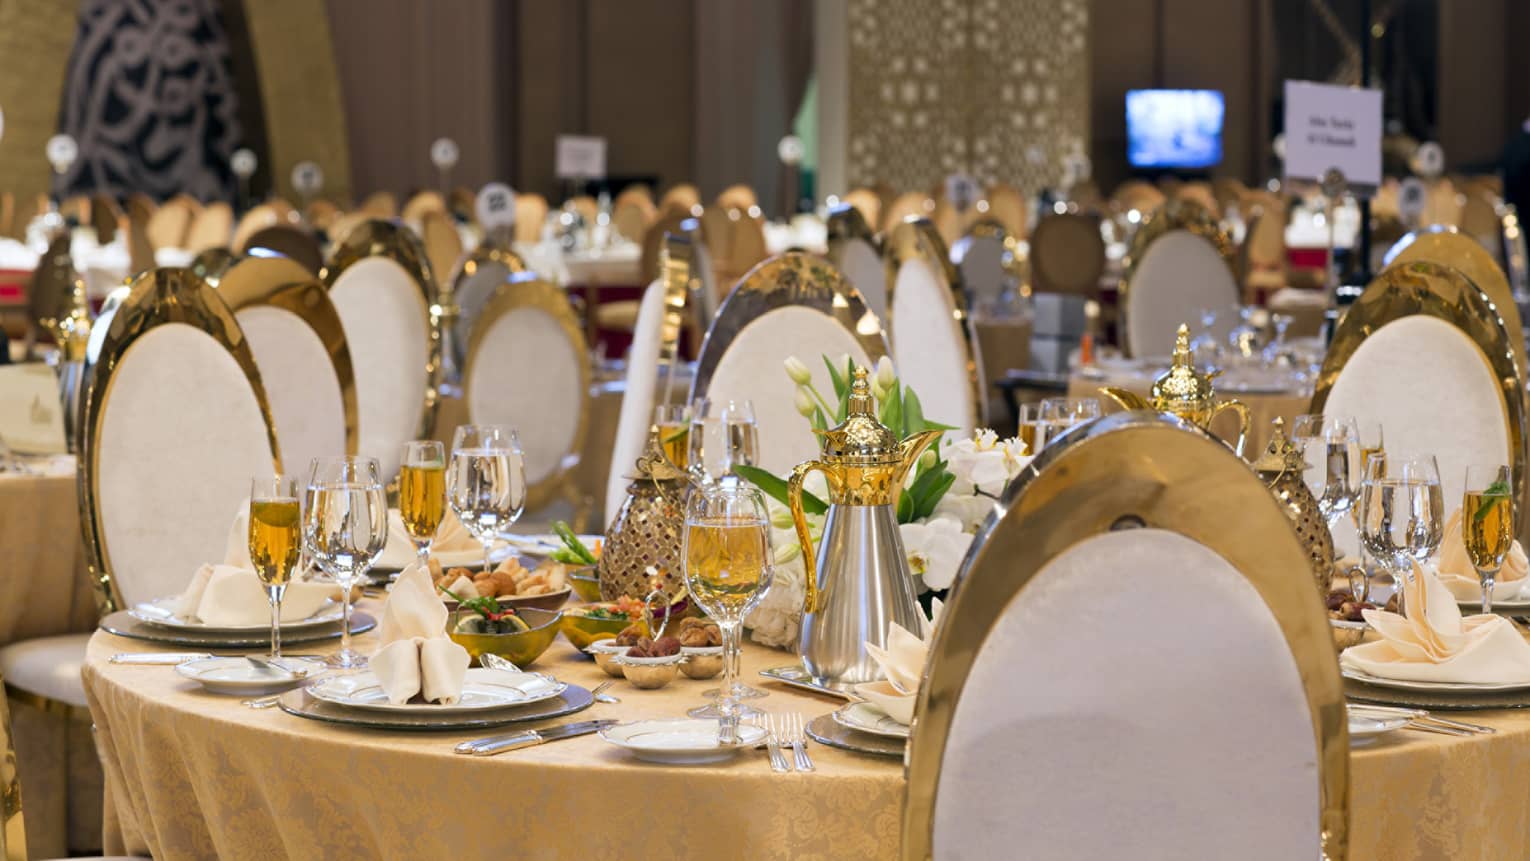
(995, 88)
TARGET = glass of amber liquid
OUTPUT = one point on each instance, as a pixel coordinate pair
(727, 569)
(275, 541)
(1487, 522)
(674, 422)
(422, 493)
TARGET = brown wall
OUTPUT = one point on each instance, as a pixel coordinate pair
(1480, 97)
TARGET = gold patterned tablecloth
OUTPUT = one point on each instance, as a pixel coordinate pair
(194, 775)
(44, 589)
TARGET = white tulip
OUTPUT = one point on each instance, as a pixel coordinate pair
(798, 371)
(885, 374)
(804, 400)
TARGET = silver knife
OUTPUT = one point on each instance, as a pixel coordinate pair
(516, 740)
(156, 658)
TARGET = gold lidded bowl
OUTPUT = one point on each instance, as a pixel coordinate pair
(1281, 468)
(644, 540)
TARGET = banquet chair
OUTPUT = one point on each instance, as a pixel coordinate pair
(443, 245)
(1135, 194)
(420, 203)
(462, 203)
(295, 242)
(528, 367)
(1077, 637)
(379, 204)
(586, 206)
(683, 198)
(530, 213)
(1084, 197)
(473, 280)
(258, 218)
(632, 213)
(988, 263)
(866, 202)
(1067, 254)
(794, 304)
(854, 251)
(1179, 261)
(168, 226)
(914, 203)
(669, 221)
(381, 283)
(736, 196)
(212, 227)
(299, 346)
(1480, 218)
(929, 327)
(321, 215)
(106, 216)
(1426, 353)
(1442, 204)
(174, 423)
(735, 241)
(140, 249)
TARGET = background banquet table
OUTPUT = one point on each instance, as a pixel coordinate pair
(191, 774)
(44, 589)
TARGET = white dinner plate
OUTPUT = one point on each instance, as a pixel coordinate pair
(545, 544)
(161, 611)
(1368, 723)
(240, 676)
(679, 741)
(1439, 687)
(869, 718)
(1518, 605)
(482, 690)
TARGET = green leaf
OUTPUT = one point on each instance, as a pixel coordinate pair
(817, 420)
(1499, 490)
(892, 409)
(841, 383)
(913, 413)
(926, 506)
(776, 488)
(905, 508)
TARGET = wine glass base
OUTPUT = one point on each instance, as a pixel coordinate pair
(346, 660)
(741, 691)
(715, 713)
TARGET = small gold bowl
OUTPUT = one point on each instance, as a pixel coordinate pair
(701, 662)
(1346, 634)
(604, 651)
(581, 630)
(520, 648)
(650, 673)
(585, 582)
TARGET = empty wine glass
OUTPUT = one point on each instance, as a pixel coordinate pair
(723, 435)
(486, 484)
(1059, 414)
(1487, 522)
(345, 524)
(275, 537)
(1401, 511)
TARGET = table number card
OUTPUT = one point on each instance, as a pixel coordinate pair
(1410, 200)
(307, 178)
(495, 207)
(31, 416)
(1329, 127)
(444, 153)
(580, 157)
(962, 190)
(61, 151)
(243, 163)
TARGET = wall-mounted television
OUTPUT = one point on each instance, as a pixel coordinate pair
(1168, 129)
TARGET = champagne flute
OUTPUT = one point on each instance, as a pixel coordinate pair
(1030, 427)
(487, 482)
(345, 524)
(1401, 511)
(674, 421)
(422, 493)
(1487, 522)
(275, 538)
(728, 570)
(723, 435)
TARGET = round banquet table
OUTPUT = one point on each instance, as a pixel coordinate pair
(194, 775)
(44, 587)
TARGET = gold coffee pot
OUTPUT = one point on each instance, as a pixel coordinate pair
(1185, 392)
(860, 581)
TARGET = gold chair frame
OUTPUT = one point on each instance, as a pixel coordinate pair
(917, 239)
(13, 834)
(1130, 469)
(1408, 289)
(278, 282)
(520, 291)
(377, 238)
(1174, 214)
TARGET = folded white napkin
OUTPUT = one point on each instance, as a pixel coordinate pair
(1458, 575)
(1433, 643)
(453, 544)
(462, 587)
(903, 659)
(416, 656)
(230, 594)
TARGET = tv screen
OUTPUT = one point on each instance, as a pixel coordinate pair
(1173, 128)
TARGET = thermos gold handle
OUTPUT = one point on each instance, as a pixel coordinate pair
(809, 556)
(1244, 420)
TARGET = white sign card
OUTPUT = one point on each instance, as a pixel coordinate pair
(444, 153)
(1333, 127)
(61, 151)
(31, 416)
(580, 157)
(962, 190)
(307, 177)
(243, 163)
(1410, 200)
(1429, 160)
(790, 150)
(495, 206)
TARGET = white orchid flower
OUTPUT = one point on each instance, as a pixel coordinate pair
(935, 549)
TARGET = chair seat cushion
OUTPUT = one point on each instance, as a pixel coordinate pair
(47, 666)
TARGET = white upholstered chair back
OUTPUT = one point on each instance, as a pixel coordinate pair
(928, 327)
(791, 305)
(854, 250)
(175, 424)
(380, 283)
(474, 281)
(638, 396)
(299, 346)
(979, 256)
(1179, 263)
(1082, 702)
(528, 368)
(1424, 354)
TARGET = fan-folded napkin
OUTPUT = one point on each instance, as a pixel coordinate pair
(416, 656)
(230, 594)
(904, 656)
(453, 544)
(1433, 643)
(1458, 575)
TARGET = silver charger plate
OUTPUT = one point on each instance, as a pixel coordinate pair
(123, 624)
(483, 690)
(300, 703)
(798, 678)
(1434, 687)
(1361, 692)
(824, 730)
(159, 612)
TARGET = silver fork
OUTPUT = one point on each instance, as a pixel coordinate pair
(778, 761)
(600, 695)
(798, 736)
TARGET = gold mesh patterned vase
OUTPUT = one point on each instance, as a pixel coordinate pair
(646, 532)
(1281, 467)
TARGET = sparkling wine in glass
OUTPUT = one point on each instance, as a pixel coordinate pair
(422, 493)
(486, 482)
(275, 539)
(728, 570)
(345, 525)
(1487, 523)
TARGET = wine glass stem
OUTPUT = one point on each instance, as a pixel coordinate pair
(488, 545)
(345, 616)
(422, 550)
(727, 702)
(274, 593)
(1487, 589)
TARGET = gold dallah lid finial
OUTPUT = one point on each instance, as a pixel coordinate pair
(1182, 384)
(861, 438)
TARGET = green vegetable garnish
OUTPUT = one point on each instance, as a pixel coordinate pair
(573, 551)
(1498, 489)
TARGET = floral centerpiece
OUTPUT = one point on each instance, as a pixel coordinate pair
(944, 501)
